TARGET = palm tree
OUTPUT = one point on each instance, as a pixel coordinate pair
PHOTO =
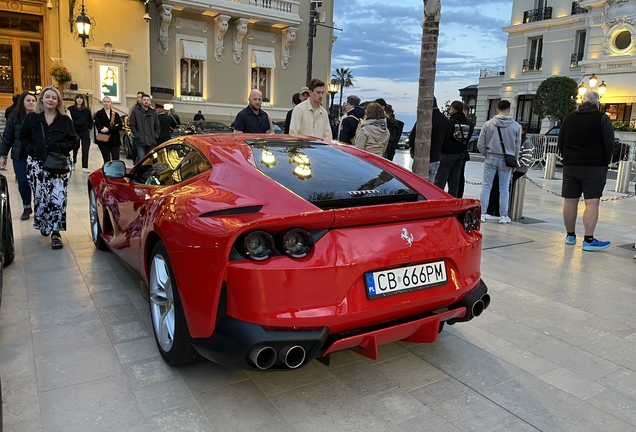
(428, 67)
(344, 79)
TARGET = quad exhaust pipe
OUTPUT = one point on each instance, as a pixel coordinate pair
(263, 357)
(480, 305)
(293, 356)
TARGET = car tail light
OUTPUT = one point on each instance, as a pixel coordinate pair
(471, 220)
(258, 245)
(297, 243)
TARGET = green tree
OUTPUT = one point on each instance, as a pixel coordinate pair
(428, 68)
(446, 108)
(555, 98)
(344, 79)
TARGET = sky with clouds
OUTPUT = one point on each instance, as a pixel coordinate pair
(381, 42)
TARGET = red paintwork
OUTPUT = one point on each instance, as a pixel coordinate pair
(326, 288)
(423, 330)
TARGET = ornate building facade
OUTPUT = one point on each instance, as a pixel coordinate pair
(195, 54)
(578, 39)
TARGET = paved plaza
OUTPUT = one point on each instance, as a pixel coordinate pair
(555, 351)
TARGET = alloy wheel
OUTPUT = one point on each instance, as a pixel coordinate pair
(162, 310)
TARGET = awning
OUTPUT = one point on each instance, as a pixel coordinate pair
(263, 59)
(193, 50)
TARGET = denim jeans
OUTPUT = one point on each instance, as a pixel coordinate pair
(496, 165)
(141, 151)
(432, 171)
(450, 169)
(20, 169)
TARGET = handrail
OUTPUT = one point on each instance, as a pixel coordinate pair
(112, 107)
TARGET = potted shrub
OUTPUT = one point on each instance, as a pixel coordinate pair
(60, 74)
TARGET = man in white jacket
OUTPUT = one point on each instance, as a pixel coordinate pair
(494, 149)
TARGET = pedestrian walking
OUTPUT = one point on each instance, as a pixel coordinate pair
(252, 119)
(586, 141)
(166, 124)
(83, 124)
(373, 135)
(499, 137)
(108, 123)
(310, 117)
(145, 127)
(45, 132)
(454, 149)
(11, 141)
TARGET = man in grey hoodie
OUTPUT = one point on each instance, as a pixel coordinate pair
(490, 145)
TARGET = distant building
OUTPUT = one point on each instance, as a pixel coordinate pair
(578, 39)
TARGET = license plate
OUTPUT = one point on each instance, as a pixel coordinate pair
(404, 279)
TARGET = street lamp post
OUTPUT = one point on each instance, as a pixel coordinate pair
(332, 89)
(601, 88)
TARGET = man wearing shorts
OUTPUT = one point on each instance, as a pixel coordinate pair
(586, 141)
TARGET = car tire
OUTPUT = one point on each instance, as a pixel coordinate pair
(8, 242)
(96, 229)
(166, 312)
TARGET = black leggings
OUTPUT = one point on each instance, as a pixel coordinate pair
(85, 140)
(109, 152)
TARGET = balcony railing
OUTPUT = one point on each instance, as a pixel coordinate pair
(275, 5)
(534, 15)
(532, 65)
(491, 72)
(577, 9)
(575, 59)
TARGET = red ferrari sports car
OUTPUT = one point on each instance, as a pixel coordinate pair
(268, 251)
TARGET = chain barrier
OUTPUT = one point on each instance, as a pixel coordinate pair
(543, 188)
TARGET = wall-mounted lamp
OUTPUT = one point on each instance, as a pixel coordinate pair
(82, 25)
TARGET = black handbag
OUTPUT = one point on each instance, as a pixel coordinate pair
(55, 163)
(510, 160)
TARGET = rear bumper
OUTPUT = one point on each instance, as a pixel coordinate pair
(237, 343)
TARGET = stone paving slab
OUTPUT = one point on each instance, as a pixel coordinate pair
(556, 350)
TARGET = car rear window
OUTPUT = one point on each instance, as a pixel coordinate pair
(328, 177)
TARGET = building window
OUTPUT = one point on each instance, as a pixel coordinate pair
(492, 107)
(526, 115)
(618, 111)
(579, 49)
(262, 72)
(535, 55)
(623, 40)
(192, 63)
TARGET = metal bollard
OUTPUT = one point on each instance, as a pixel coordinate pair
(517, 195)
(623, 177)
(550, 166)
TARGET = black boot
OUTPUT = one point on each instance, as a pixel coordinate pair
(26, 213)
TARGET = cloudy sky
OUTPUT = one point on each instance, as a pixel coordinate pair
(381, 44)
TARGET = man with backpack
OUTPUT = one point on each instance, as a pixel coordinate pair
(349, 123)
(454, 149)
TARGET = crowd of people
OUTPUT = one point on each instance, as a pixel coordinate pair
(38, 128)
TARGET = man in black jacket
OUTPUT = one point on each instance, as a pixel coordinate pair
(395, 128)
(586, 141)
(438, 136)
(349, 123)
(144, 125)
(454, 149)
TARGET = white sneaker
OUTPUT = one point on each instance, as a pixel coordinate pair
(483, 218)
(504, 220)
(85, 170)
(72, 167)
(491, 217)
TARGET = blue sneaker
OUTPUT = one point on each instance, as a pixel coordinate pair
(595, 245)
(570, 240)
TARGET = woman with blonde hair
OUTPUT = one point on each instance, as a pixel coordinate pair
(373, 135)
(46, 133)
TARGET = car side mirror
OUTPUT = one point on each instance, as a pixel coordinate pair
(114, 169)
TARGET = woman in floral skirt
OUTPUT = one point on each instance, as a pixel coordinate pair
(48, 130)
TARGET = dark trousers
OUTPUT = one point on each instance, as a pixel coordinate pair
(449, 171)
(493, 201)
(109, 152)
(20, 169)
(85, 140)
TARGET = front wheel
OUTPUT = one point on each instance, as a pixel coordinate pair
(166, 312)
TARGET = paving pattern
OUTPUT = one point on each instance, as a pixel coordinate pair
(555, 351)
